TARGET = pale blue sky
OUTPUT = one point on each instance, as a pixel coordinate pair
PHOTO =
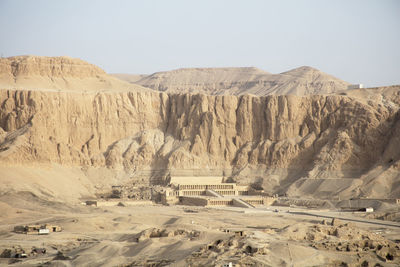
(357, 41)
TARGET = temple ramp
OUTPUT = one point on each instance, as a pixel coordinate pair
(237, 202)
(212, 193)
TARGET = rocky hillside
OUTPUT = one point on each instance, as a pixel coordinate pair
(239, 81)
(316, 145)
(57, 73)
(274, 140)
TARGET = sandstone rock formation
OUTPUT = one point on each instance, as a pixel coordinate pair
(317, 145)
(237, 81)
(57, 73)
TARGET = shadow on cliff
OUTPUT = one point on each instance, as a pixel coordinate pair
(380, 150)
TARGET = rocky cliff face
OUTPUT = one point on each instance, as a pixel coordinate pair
(280, 138)
(320, 145)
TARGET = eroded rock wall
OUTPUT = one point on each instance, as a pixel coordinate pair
(313, 136)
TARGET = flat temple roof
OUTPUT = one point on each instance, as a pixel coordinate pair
(192, 180)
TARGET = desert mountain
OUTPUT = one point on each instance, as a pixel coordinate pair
(130, 78)
(59, 73)
(315, 145)
(239, 81)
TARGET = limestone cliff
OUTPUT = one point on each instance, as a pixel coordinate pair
(344, 144)
(281, 140)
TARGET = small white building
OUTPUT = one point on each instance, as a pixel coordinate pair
(369, 209)
(355, 86)
(44, 231)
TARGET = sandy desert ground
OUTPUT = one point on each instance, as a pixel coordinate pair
(156, 235)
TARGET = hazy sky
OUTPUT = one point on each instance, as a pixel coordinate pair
(357, 41)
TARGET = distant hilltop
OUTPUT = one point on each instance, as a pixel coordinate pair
(65, 73)
(57, 73)
(48, 66)
(237, 81)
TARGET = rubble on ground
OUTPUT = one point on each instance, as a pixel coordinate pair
(345, 237)
(158, 233)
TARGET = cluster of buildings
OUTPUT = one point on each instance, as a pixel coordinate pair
(37, 229)
(211, 191)
(187, 190)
